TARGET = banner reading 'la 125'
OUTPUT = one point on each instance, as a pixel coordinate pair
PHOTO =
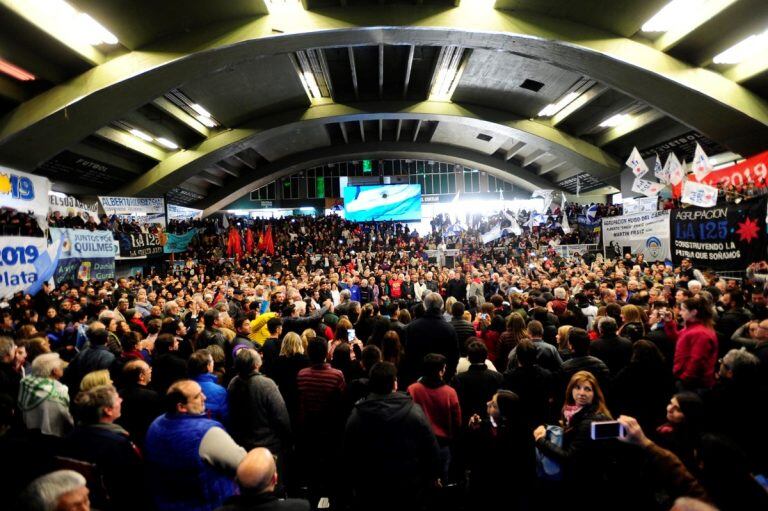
(722, 238)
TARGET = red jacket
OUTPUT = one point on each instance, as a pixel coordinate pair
(695, 354)
(441, 406)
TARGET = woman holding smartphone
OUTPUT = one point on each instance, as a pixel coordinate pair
(586, 463)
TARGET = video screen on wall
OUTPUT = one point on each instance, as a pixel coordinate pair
(383, 202)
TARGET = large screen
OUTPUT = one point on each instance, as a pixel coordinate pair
(385, 202)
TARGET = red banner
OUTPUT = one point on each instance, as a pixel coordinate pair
(752, 170)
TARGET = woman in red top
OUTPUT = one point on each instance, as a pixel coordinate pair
(696, 344)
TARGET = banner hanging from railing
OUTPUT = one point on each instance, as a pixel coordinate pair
(137, 244)
(85, 255)
(177, 243)
(182, 213)
(145, 210)
(642, 233)
(25, 263)
(722, 237)
(67, 205)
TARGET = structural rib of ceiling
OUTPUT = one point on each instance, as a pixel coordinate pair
(66, 114)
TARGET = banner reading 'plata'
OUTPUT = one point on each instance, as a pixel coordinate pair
(641, 233)
(85, 255)
(722, 238)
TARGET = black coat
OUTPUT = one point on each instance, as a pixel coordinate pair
(263, 502)
(536, 388)
(141, 405)
(166, 370)
(284, 373)
(430, 334)
(464, 330)
(457, 288)
(475, 388)
(615, 351)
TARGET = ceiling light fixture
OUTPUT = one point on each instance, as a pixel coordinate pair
(553, 108)
(76, 24)
(447, 78)
(739, 52)
(140, 134)
(614, 121)
(200, 110)
(166, 143)
(206, 121)
(15, 71)
(670, 15)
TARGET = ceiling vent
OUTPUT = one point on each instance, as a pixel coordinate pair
(532, 85)
(484, 137)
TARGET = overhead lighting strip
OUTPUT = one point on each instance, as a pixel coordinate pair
(146, 137)
(194, 109)
(450, 64)
(670, 15)
(752, 45)
(15, 71)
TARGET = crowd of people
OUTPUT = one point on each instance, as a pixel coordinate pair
(350, 371)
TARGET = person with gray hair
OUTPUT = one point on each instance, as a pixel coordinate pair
(62, 490)
(257, 412)
(43, 399)
(9, 377)
(430, 333)
(614, 350)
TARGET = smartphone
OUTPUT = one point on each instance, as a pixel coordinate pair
(351, 334)
(607, 429)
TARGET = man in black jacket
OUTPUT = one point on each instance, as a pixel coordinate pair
(457, 287)
(430, 334)
(391, 453)
(614, 350)
(734, 315)
(211, 334)
(93, 358)
(141, 405)
(464, 329)
(478, 384)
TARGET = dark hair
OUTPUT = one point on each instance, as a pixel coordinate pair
(477, 352)
(198, 363)
(210, 316)
(163, 344)
(382, 378)
(535, 328)
(737, 297)
(702, 307)
(371, 355)
(390, 347)
(646, 353)
(155, 325)
(132, 371)
(457, 310)
(692, 408)
(526, 353)
(98, 337)
(578, 338)
(90, 404)
(317, 350)
(174, 397)
(273, 324)
(433, 364)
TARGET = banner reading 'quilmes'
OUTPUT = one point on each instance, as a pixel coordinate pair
(85, 255)
(723, 237)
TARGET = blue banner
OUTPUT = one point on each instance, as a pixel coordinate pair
(179, 242)
(85, 255)
(25, 263)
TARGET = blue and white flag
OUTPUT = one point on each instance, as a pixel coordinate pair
(45, 266)
(700, 164)
(636, 163)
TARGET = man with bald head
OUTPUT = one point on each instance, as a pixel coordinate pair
(257, 479)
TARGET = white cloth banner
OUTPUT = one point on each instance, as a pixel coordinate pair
(566, 227)
(24, 261)
(675, 170)
(182, 213)
(700, 164)
(67, 205)
(639, 205)
(636, 163)
(544, 194)
(647, 188)
(699, 194)
(145, 210)
(24, 192)
(644, 233)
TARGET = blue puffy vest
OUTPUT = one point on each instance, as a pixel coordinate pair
(179, 478)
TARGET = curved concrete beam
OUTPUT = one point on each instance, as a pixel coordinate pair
(182, 165)
(371, 150)
(702, 99)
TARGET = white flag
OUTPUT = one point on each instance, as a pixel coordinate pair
(544, 194)
(700, 164)
(647, 188)
(699, 194)
(566, 227)
(659, 171)
(515, 227)
(636, 163)
(674, 170)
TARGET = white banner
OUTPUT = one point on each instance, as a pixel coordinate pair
(700, 164)
(640, 205)
(699, 194)
(69, 205)
(636, 163)
(644, 233)
(25, 262)
(674, 169)
(145, 210)
(647, 188)
(24, 192)
(491, 235)
(181, 213)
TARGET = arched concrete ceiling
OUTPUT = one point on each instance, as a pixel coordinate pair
(701, 99)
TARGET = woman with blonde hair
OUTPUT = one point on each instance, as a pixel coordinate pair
(562, 342)
(632, 326)
(95, 379)
(306, 336)
(586, 463)
(292, 359)
(515, 332)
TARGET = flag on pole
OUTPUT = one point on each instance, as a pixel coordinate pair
(699, 194)
(578, 185)
(636, 163)
(566, 227)
(700, 164)
(660, 171)
(515, 227)
(647, 188)
(544, 194)
(674, 170)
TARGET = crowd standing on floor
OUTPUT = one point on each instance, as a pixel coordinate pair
(349, 371)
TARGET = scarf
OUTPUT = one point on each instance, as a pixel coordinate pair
(569, 411)
(34, 390)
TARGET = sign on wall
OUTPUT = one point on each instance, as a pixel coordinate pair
(24, 192)
(67, 205)
(135, 244)
(722, 238)
(25, 263)
(643, 233)
(145, 210)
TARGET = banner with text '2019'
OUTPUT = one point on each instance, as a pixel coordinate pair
(722, 238)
